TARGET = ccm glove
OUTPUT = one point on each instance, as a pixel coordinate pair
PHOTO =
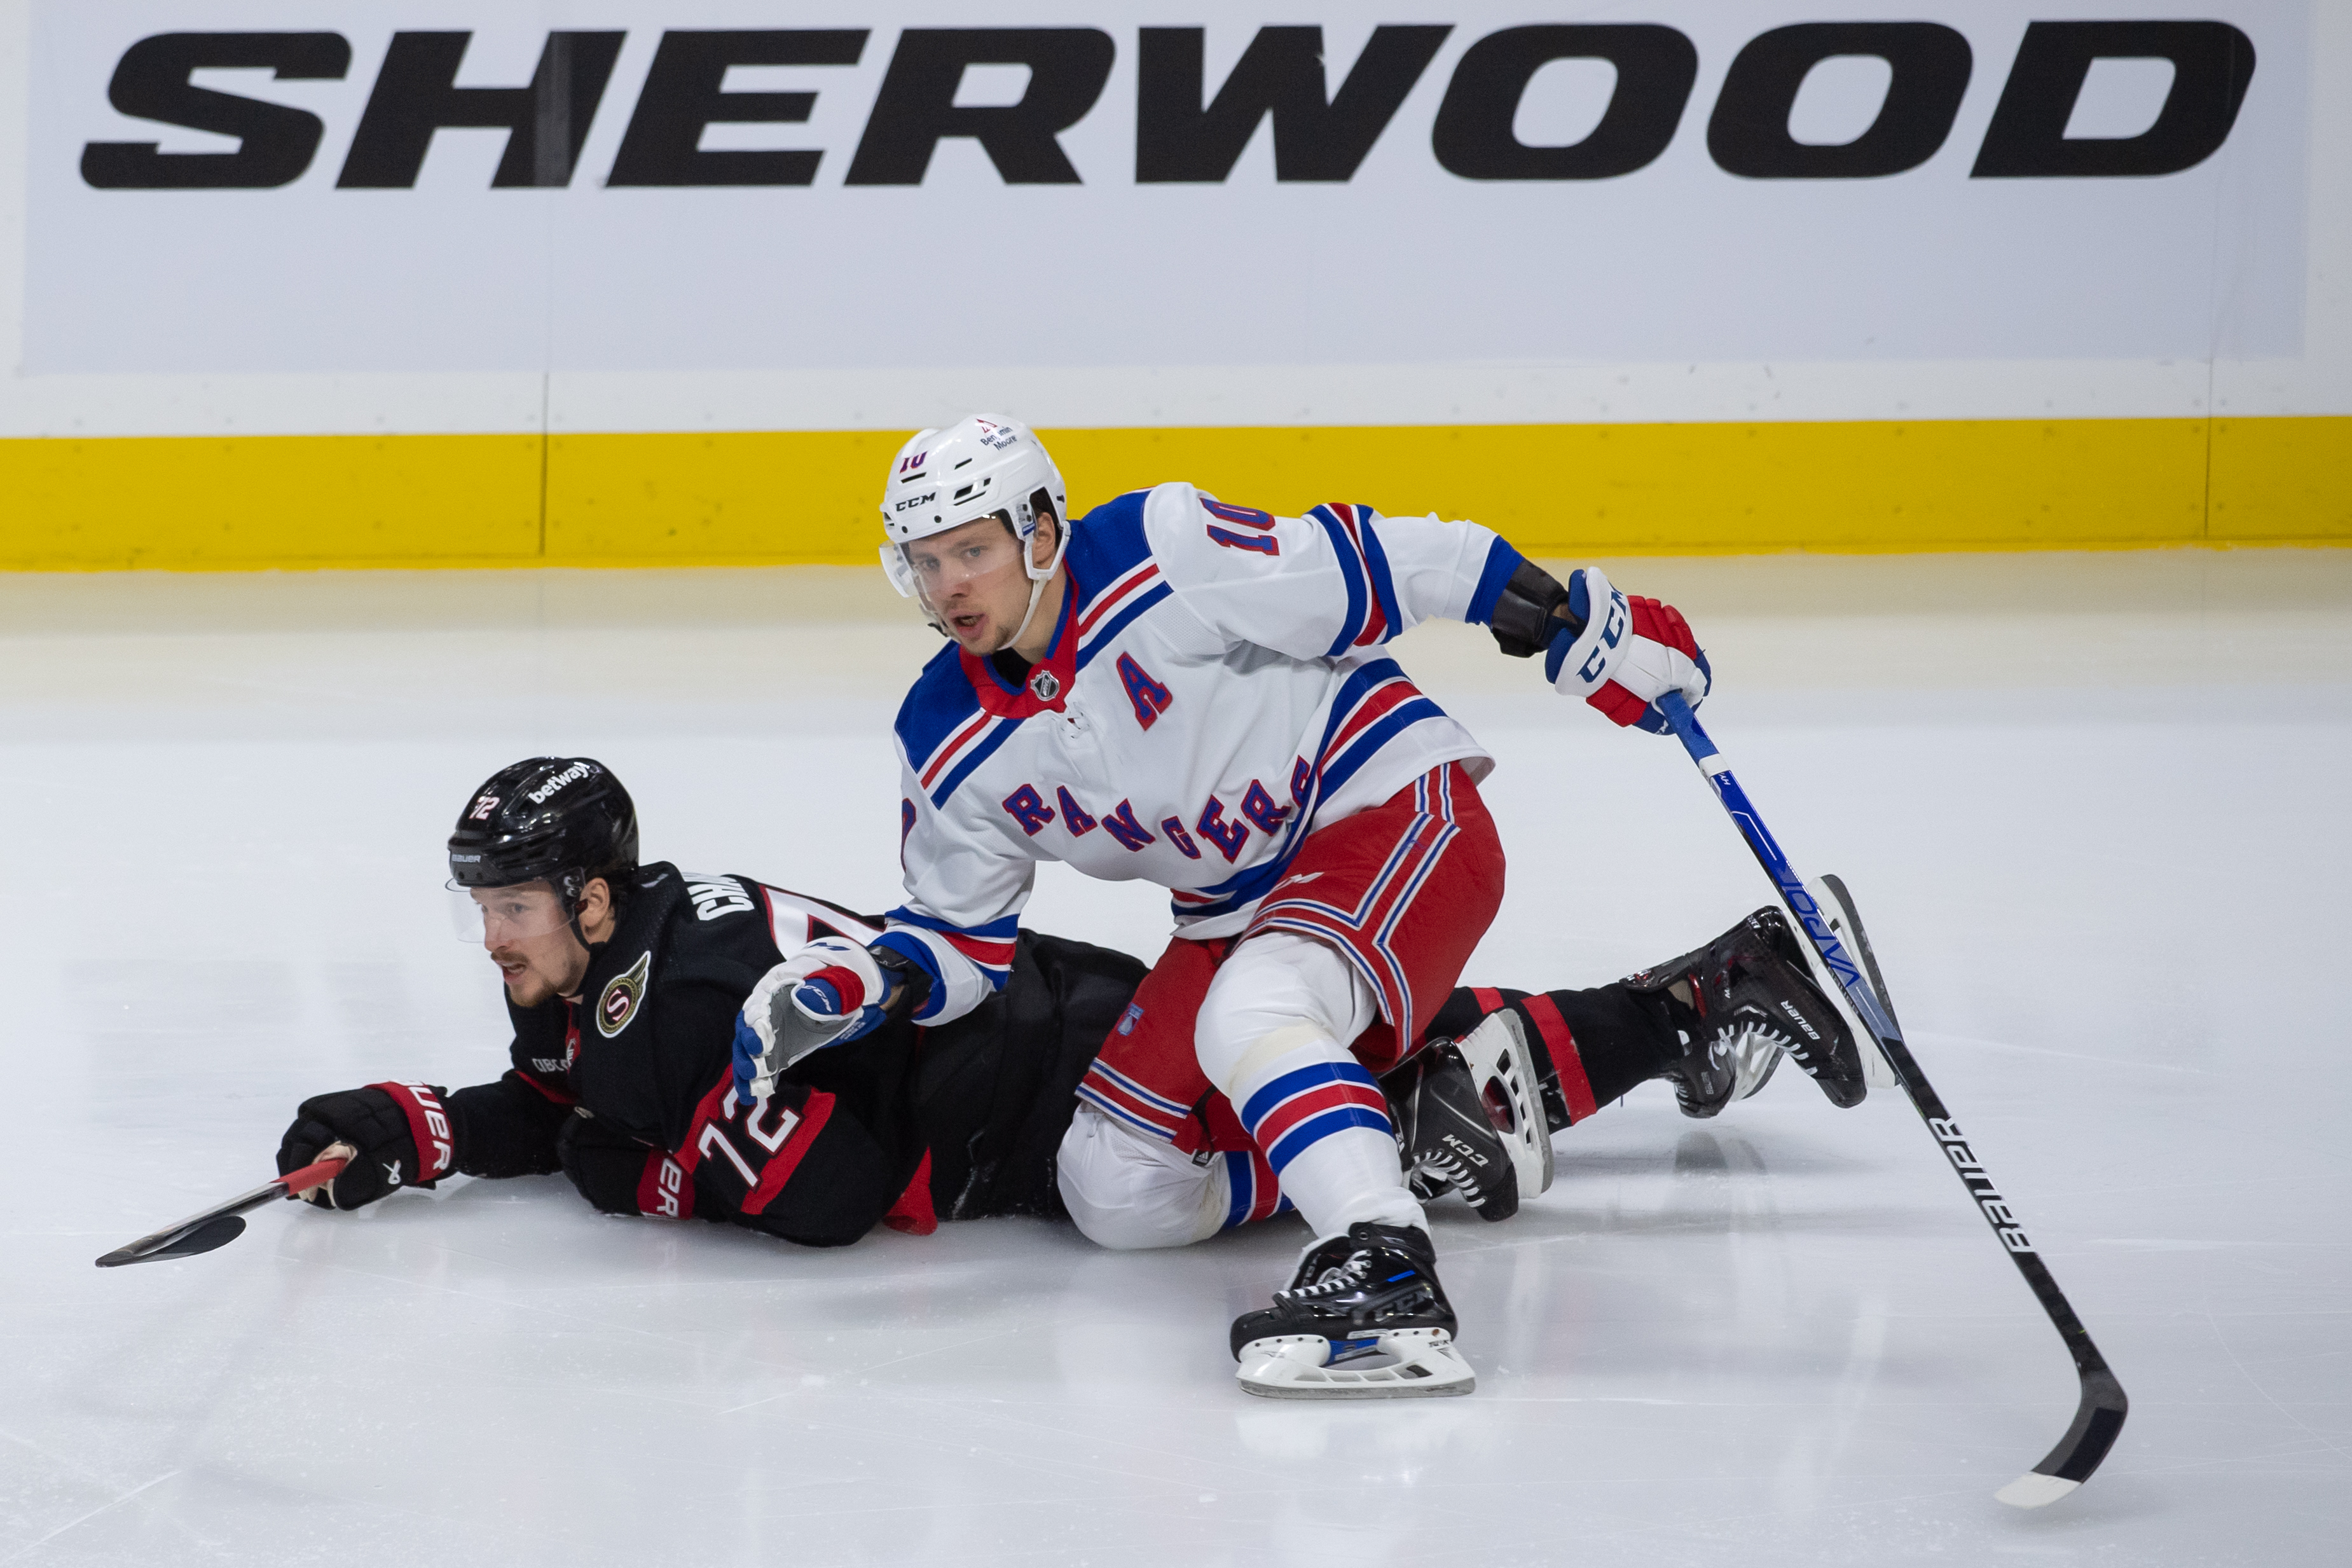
(828, 992)
(1630, 653)
(401, 1133)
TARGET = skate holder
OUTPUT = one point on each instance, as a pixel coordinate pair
(1422, 1364)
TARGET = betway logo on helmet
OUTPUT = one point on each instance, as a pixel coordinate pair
(1189, 128)
(570, 775)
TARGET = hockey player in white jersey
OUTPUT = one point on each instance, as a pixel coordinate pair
(1183, 692)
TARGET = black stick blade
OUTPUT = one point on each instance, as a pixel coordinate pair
(2098, 1422)
(185, 1242)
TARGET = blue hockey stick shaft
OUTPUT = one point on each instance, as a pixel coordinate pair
(2099, 1414)
(1842, 965)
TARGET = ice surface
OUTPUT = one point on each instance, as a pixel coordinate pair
(2093, 808)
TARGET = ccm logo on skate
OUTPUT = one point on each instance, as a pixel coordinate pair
(1191, 124)
(1995, 1206)
(1467, 1153)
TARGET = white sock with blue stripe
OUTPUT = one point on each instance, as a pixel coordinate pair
(1269, 1035)
(1323, 1124)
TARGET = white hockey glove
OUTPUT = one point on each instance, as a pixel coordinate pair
(1631, 653)
(828, 992)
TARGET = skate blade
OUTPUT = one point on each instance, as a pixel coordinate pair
(1876, 1071)
(1291, 1366)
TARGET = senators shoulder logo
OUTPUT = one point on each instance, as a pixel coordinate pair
(618, 1004)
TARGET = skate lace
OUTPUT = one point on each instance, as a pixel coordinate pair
(1449, 1169)
(1732, 1041)
(1345, 1276)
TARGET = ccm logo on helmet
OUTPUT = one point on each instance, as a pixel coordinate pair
(1190, 126)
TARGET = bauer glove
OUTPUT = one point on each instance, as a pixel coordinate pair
(400, 1133)
(621, 1174)
(1630, 653)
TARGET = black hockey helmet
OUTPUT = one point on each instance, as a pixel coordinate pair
(561, 820)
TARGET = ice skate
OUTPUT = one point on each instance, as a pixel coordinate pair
(1371, 1293)
(1740, 1002)
(1470, 1119)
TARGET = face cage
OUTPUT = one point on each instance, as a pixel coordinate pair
(902, 575)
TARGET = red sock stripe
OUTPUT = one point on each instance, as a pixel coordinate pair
(1573, 1084)
(1489, 1000)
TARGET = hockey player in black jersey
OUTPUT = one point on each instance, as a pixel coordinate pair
(624, 983)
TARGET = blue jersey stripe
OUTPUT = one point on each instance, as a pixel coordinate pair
(1351, 571)
(1368, 744)
(1108, 1108)
(919, 952)
(1102, 638)
(1501, 562)
(977, 754)
(1004, 929)
(940, 702)
(1383, 586)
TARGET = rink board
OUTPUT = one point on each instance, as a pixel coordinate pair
(1751, 333)
(805, 497)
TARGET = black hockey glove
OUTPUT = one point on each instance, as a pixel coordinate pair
(619, 1174)
(402, 1133)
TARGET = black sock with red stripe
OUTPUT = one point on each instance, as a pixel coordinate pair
(1591, 1046)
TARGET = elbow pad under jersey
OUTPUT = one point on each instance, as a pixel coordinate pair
(1523, 623)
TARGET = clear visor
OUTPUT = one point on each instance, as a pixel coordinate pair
(932, 571)
(494, 917)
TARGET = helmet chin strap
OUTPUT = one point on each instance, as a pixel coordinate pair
(1037, 581)
(1036, 592)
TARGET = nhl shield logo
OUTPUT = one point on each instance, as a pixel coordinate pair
(618, 1004)
(1045, 684)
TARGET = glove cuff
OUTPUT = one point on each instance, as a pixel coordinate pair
(429, 1129)
(666, 1190)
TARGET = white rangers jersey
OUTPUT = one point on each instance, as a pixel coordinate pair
(1215, 690)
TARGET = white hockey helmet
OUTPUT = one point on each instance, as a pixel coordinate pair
(974, 469)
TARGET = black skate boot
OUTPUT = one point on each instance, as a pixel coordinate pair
(1371, 1292)
(1470, 1119)
(1740, 1002)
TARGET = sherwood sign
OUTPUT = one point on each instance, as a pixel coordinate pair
(1228, 212)
(1188, 129)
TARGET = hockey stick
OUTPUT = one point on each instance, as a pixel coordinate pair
(2100, 1416)
(219, 1225)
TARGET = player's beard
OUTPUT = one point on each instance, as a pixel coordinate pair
(531, 986)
